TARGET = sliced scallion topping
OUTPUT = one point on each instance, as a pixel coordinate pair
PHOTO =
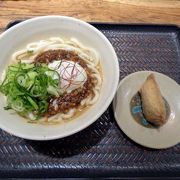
(28, 88)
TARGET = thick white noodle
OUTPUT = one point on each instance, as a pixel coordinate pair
(94, 56)
(89, 55)
(95, 98)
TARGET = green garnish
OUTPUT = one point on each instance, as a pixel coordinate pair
(30, 52)
(28, 88)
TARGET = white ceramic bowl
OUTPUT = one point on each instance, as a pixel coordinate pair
(42, 27)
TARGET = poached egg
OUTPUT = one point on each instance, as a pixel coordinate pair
(72, 75)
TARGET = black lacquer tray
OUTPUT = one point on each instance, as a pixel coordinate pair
(102, 150)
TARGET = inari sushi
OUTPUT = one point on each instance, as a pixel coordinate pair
(153, 104)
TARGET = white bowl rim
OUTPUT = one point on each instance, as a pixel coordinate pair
(108, 99)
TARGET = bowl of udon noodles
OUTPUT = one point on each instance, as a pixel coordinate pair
(58, 76)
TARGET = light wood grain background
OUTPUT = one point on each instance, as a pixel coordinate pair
(116, 11)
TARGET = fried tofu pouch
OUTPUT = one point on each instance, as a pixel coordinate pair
(153, 104)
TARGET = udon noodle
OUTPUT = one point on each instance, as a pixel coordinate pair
(91, 58)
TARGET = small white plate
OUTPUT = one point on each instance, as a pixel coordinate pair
(163, 137)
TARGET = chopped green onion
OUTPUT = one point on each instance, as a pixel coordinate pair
(53, 91)
(32, 102)
(17, 105)
(28, 88)
(30, 52)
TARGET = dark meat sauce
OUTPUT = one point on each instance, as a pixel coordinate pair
(67, 100)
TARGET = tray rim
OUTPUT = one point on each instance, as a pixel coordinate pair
(39, 172)
(132, 25)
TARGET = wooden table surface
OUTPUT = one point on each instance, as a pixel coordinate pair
(116, 11)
